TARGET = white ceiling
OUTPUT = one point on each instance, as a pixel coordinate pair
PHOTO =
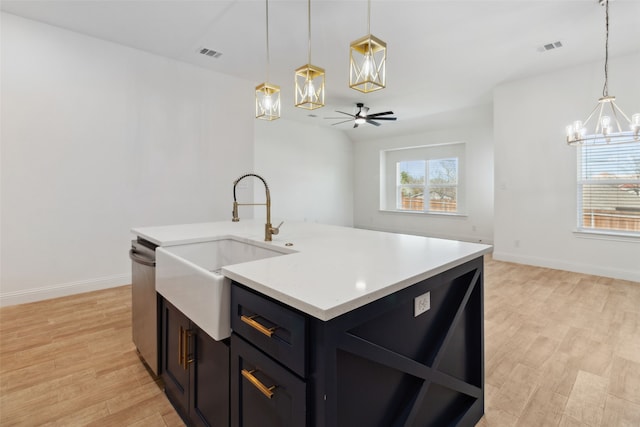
(442, 54)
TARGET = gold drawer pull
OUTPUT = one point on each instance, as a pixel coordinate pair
(260, 327)
(267, 391)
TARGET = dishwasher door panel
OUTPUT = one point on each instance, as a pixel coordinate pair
(144, 309)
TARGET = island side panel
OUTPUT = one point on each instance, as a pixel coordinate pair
(381, 365)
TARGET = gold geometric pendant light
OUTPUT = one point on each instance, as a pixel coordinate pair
(267, 101)
(267, 94)
(309, 79)
(368, 59)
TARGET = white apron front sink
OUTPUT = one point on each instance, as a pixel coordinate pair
(189, 277)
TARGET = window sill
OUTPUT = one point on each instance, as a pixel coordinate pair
(435, 214)
(606, 235)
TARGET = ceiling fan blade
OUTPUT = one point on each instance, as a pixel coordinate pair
(339, 123)
(380, 114)
(383, 118)
(371, 122)
(342, 112)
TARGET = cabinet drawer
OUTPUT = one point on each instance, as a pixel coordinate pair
(263, 393)
(272, 327)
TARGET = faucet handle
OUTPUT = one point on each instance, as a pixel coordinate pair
(235, 212)
(276, 230)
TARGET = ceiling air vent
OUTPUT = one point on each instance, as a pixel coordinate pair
(550, 46)
(209, 52)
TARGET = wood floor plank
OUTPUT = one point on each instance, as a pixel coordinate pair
(70, 362)
(561, 349)
(587, 399)
(544, 409)
(625, 379)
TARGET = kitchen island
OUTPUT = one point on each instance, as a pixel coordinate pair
(349, 327)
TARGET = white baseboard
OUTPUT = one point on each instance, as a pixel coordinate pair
(64, 289)
(596, 270)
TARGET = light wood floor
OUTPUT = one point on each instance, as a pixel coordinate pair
(562, 349)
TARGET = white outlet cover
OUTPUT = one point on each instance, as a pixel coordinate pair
(421, 304)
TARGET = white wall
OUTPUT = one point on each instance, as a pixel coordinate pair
(98, 138)
(309, 170)
(535, 176)
(472, 126)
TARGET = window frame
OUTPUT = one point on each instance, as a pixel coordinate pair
(390, 187)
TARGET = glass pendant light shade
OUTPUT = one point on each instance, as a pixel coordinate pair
(267, 101)
(309, 87)
(309, 84)
(368, 61)
(368, 58)
(267, 94)
(608, 129)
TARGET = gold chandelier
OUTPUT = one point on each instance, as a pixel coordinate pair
(267, 94)
(368, 58)
(608, 113)
(309, 79)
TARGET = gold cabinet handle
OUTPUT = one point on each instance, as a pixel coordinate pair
(187, 360)
(181, 347)
(258, 326)
(267, 391)
(184, 338)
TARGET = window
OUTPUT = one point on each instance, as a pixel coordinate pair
(441, 185)
(424, 179)
(609, 188)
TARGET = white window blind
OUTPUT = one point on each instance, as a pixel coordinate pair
(609, 188)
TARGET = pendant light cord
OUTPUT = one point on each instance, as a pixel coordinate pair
(268, 53)
(369, 17)
(605, 89)
(309, 25)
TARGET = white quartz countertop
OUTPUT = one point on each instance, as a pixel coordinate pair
(334, 269)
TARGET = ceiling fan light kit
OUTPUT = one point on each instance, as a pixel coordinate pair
(608, 113)
(267, 94)
(362, 116)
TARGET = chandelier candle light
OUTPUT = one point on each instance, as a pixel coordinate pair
(368, 58)
(605, 132)
(309, 79)
(267, 94)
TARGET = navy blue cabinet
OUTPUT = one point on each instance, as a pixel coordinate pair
(412, 358)
(263, 392)
(268, 362)
(195, 370)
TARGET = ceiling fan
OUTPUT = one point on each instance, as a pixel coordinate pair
(362, 116)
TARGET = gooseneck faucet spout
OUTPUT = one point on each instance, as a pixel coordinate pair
(268, 229)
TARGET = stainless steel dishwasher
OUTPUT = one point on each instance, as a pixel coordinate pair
(144, 301)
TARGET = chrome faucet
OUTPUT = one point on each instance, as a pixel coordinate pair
(268, 229)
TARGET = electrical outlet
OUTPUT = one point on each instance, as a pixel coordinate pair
(421, 304)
